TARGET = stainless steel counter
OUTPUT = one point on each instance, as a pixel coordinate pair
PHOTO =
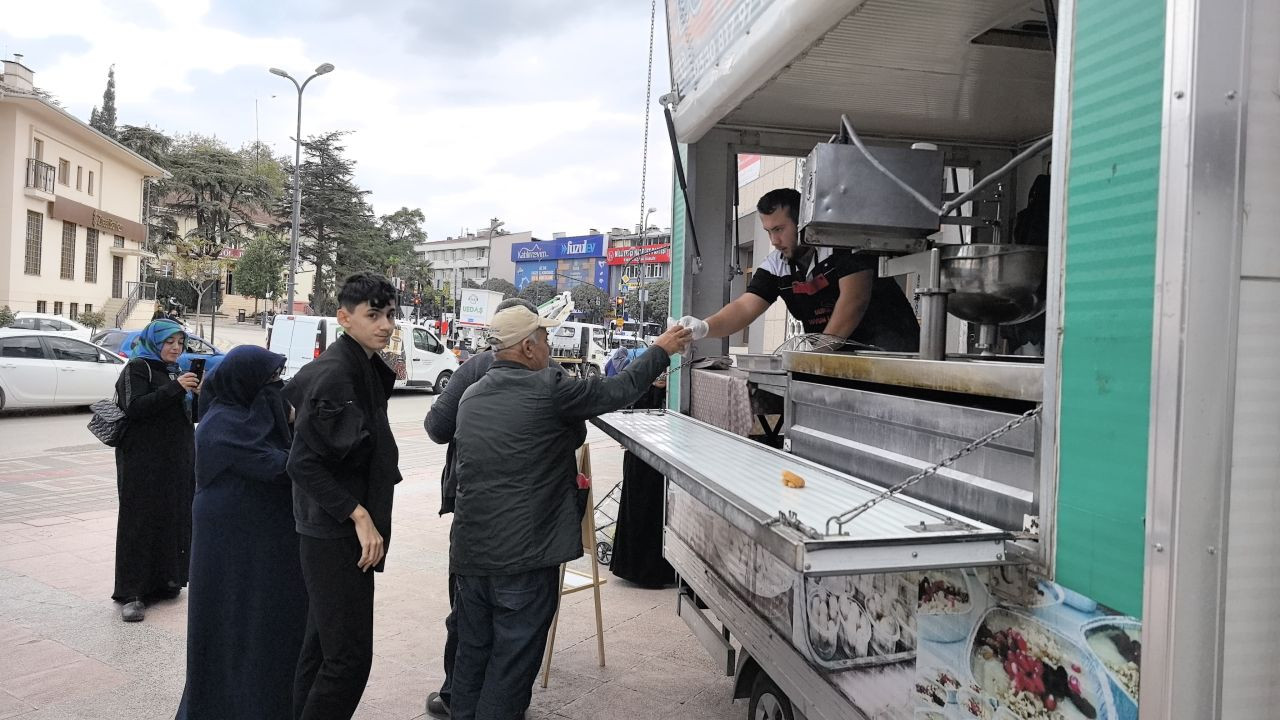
(989, 378)
(742, 481)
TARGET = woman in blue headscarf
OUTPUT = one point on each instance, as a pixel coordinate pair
(247, 607)
(155, 463)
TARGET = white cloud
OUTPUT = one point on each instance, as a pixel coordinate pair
(541, 127)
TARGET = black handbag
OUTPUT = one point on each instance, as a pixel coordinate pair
(109, 423)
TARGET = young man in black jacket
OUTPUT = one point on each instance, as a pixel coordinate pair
(344, 466)
(516, 517)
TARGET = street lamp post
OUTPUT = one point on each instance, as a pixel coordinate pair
(297, 172)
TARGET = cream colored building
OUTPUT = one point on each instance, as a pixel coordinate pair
(71, 232)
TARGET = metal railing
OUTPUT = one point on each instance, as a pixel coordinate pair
(138, 291)
(41, 175)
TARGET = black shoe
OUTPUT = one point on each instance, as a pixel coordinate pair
(167, 594)
(436, 706)
(134, 610)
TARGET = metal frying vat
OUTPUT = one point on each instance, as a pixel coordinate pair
(994, 284)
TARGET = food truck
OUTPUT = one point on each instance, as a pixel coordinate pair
(1085, 528)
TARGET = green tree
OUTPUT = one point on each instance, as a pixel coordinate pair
(338, 232)
(92, 319)
(397, 254)
(499, 285)
(469, 284)
(655, 310)
(104, 120)
(538, 292)
(260, 270)
(147, 142)
(6, 316)
(591, 301)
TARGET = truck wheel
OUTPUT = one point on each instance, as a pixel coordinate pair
(767, 701)
(591, 371)
(442, 382)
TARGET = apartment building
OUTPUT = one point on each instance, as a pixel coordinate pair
(456, 259)
(71, 207)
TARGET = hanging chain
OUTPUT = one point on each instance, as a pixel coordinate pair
(648, 95)
(848, 516)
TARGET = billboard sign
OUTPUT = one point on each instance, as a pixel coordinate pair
(533, 251)
(582, 246)
(528, 272)
(644, 253)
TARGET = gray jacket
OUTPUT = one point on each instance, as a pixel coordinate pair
(517, 432)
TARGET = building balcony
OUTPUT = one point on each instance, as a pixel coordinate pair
(41, 179)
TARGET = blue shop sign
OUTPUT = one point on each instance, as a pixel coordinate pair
(533, 251)
(528, 272)
(582, 246)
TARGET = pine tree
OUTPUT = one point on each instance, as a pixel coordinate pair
(104, 120)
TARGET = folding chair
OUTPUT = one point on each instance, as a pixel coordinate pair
(572, 581)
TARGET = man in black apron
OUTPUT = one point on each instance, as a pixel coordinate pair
(830, 291)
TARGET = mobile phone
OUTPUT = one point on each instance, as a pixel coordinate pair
(197, 367)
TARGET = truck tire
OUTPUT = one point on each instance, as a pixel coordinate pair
(442, 382)
(590, 371)
(767, 701)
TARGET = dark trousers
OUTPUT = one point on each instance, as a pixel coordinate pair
(450, 643)
(337, 650)
(502, 633)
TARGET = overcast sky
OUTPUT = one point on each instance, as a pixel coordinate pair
(530, 110)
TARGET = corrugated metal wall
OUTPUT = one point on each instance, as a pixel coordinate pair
(1112, 198)
(1252, 632)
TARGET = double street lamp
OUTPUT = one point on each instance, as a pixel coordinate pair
(297, 170)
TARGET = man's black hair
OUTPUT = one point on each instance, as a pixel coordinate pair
(782, 197)
(517, 302)
(365, 287)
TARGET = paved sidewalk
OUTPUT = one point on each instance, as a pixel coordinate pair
(64, 653)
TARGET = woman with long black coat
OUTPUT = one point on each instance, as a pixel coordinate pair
(247, 609)
(637, 538)
(154, 471)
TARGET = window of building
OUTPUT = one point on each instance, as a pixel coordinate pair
(75, 311)
(42, 307)
(119, 241)
(88, 307)
(90, 257)
(57, 307)
(68, 251)
(37, 149)
(35, 235)
(79, 177)
(64, 171)
(90, 182)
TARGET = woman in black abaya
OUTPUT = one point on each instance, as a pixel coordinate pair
(247, 609)
(637, 539)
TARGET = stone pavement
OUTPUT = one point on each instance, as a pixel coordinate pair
(64, 653)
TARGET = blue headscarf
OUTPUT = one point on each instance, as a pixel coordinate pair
(152, 338)
(245, 422)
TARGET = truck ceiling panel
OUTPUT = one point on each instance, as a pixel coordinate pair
(899, 68)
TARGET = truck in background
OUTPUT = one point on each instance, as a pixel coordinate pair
(475, 311)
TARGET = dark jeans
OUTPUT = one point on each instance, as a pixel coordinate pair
(450, 644)
(337, 650)
(502, 633)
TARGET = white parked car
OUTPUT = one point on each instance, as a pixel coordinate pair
(50, 323)
(48, 369)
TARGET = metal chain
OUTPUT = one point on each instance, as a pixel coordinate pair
(848, 516)
(648, 95)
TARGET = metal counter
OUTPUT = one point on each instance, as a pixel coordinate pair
(741, 480)
(997, 379)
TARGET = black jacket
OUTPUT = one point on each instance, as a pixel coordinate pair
(517, 432)
(343, 452)
(442, 421)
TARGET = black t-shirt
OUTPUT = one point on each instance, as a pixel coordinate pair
(810, 290)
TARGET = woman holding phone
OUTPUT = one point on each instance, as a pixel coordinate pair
(247, 606)
(155, 466)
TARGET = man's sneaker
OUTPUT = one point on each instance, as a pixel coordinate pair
(436, 706)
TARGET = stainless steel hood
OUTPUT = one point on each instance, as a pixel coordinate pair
(742, 481)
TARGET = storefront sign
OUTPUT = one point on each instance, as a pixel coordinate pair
(81, 214)
(580, 247)
(640, 254)
(533, 251)
(529, 272)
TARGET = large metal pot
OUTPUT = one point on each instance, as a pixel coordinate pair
(994, 284)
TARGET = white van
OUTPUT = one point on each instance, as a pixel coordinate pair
(581, 341)
(415, 353)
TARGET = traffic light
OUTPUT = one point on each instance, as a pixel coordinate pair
(620, 302)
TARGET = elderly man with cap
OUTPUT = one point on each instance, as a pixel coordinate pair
(516, 517)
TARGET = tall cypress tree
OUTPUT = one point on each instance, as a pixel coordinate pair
(104, 120)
